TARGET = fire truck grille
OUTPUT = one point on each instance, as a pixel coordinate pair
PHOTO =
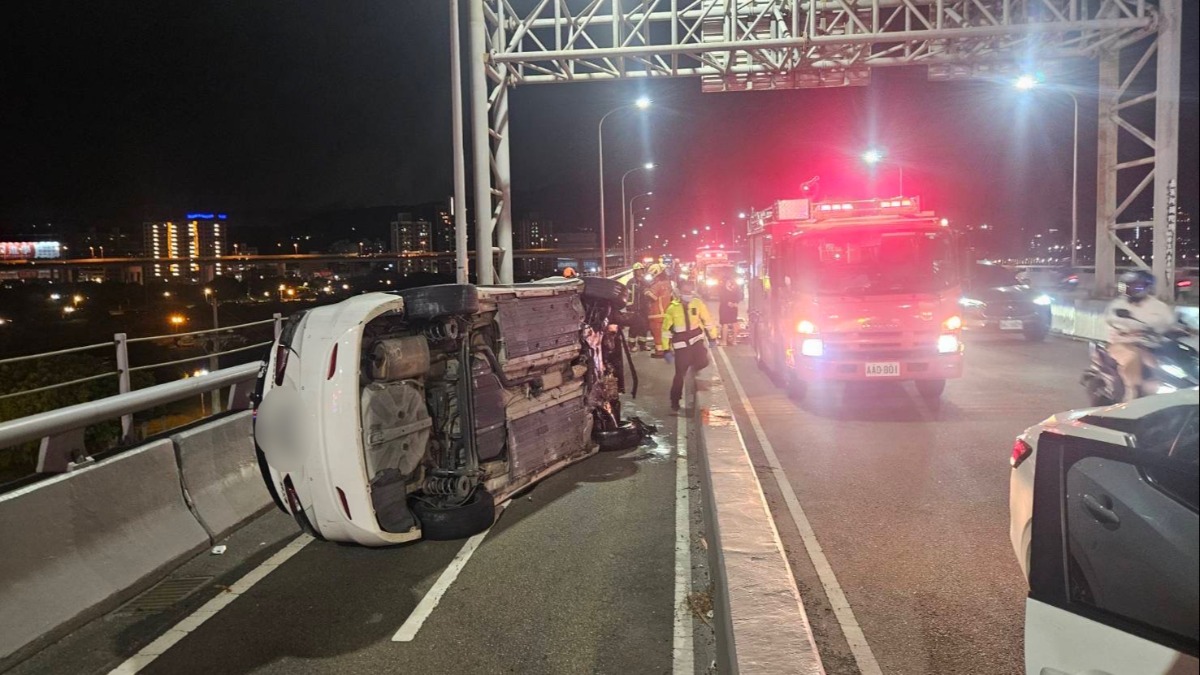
(878, 344)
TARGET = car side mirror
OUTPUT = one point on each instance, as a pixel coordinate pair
(1123, 313)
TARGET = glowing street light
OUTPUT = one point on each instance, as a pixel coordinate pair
(1026, 82)
(641, 104)
(873, 156)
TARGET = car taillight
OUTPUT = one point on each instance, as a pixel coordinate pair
(281, 358)
(1020, 452)
(332, 363)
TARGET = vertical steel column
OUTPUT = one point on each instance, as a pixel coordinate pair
(503, 178)
(459, 207)
(1166, 143)
(481, 144)
(1108, 95)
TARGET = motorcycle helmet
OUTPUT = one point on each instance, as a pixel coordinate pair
(638, 266)
(1136, 284)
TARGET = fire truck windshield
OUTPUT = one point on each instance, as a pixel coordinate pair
(859, 262)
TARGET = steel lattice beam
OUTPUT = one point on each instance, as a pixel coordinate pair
(739, 45)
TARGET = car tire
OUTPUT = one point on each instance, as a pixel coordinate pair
(434, 302)
(456, 522)
(605, 290)
(931, 390)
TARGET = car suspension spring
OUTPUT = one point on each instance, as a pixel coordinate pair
(447, 486)
(445, 331)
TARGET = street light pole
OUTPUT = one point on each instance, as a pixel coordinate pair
(1026, 83)
(642, 103)
(214, 360)
(633, 225)
(460, 172)
(626, 226)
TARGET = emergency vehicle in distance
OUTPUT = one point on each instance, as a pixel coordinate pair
(855, 290)
(714, 266)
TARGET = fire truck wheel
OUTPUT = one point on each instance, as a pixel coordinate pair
(931, 390)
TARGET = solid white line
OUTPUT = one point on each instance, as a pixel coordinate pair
(408, 630)
(863, 656)
(209, 609)
(684, 648)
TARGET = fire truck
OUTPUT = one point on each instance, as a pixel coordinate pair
(855, 291)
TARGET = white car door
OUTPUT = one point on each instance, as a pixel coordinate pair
(1115, 562)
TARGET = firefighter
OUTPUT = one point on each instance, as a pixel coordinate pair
(686, 330)
(639, 321)
(658, 298)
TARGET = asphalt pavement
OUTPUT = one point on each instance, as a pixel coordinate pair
(577, 576)
(909, 502)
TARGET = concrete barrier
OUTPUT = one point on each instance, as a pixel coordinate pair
(79, 544)
(1084, 319)
(221, 479)
(759, 617)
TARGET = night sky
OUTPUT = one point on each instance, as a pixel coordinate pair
(117, 111)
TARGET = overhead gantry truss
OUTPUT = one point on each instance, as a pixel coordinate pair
(753, 45)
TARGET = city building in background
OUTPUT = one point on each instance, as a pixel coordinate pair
(198, 235)
(30, 250)
(412, 235)
(534, 231)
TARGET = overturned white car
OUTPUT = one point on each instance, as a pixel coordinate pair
(369, 429)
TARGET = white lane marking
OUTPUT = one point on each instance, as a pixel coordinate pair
(209, 609)
(684, 648)
(863, 656)
(408, 630)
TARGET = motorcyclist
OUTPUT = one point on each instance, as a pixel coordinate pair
(1135, 319)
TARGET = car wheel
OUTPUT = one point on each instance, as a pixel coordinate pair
(439, 523)
(1036, 334)
(931, 389)
(433, 302)
(604, 290)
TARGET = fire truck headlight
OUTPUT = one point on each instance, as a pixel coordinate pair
(947, 344)
(710, 282)
(953, 323)
(806, 327)
(812, 347)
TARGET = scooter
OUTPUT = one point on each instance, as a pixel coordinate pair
(1176, 365)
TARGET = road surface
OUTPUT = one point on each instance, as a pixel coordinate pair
(910, 503)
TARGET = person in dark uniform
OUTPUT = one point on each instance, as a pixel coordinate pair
(731, 296)
(687, 327)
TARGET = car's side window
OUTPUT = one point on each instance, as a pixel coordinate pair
(1132, 548)
(1156, 433)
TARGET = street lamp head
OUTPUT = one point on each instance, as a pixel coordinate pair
(642, 103)
(649, 193)
(1026, 82)
(742, 215)
(872, 156)
(649, 165)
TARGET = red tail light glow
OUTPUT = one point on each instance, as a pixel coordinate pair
(281, 359)
(1020, 452)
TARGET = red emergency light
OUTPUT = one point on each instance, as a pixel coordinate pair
(866, 207)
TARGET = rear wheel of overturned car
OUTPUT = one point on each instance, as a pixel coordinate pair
(434, 302)
(931, 390)
(444, 523)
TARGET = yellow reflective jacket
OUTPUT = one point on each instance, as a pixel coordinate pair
(686, 329)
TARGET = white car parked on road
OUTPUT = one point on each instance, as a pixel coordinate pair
(1103, 520)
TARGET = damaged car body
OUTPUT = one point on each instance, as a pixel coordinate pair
(391, 417)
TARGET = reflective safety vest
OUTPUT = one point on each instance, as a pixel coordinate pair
(686, 328)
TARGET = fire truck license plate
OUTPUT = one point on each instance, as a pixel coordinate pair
(890, 369)
(1011, 324)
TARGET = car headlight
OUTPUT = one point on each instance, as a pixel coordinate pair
(1173, 370)
(947, 344)
(968, 302)
(812, 347)
(1043, 300)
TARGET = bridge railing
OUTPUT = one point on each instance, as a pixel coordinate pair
(61, 431)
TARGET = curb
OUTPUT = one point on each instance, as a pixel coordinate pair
(759, 618)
